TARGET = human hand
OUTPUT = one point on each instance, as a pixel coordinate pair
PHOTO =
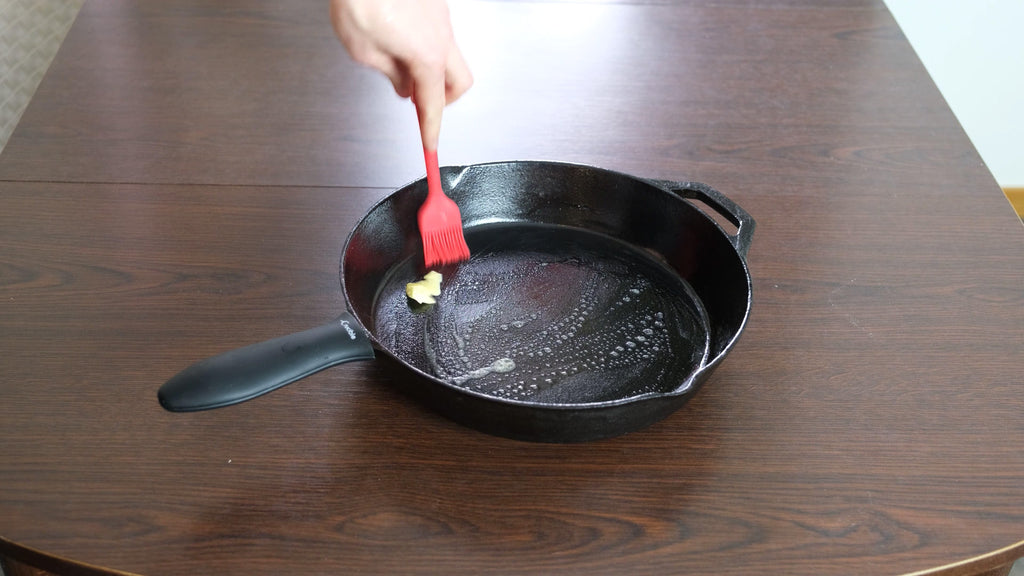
(411, 42)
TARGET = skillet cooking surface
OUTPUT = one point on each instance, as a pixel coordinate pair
(548, 315)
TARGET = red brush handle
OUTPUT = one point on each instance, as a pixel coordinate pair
(433, 172)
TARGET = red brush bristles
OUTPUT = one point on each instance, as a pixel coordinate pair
(440, 221)
(446, 247)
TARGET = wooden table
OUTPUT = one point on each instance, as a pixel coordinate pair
(187, 172)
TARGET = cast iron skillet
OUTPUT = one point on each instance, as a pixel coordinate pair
(595, 304)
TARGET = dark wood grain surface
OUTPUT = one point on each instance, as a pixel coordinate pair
(187, 172)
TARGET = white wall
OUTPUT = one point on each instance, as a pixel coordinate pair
(974, 51)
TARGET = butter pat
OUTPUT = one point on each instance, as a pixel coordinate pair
(424, 291)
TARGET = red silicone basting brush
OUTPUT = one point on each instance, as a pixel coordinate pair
(440, 221)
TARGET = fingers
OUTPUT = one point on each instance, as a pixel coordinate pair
(457, 76)
(434, 88)
(352, 24)
(395, 70)
(402, 80)
(429, 96)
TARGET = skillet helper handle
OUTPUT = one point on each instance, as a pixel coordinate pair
(245, 373)
(731, 211)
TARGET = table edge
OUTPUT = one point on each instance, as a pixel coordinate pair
(59, 565)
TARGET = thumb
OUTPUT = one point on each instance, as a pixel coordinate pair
(429, 96)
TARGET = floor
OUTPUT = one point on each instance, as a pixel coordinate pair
(31, 31)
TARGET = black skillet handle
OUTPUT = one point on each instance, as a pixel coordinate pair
(254, 370)
(731, 211)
